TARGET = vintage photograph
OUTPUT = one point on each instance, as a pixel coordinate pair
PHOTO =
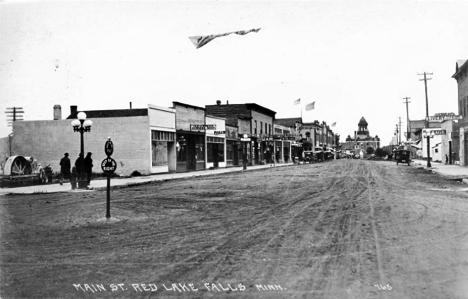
(234, 149)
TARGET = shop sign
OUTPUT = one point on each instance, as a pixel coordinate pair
(308, 127)
(245, 139)
(219, 132)
(202, 127)
(443, 116)
(434, 132)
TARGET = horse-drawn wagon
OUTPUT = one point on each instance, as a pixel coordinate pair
(20, 171)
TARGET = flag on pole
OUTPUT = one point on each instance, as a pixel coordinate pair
(333, 124)
(200, 41)
(310, 106)
(298, 101)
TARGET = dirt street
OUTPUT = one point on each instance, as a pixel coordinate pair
(340, 229)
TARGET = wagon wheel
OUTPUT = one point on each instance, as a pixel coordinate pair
(20, 167)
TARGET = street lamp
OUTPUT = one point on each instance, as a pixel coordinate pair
(244, 156)
(82, 125)
(428, 134)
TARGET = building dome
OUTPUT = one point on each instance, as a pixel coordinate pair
(362, 122)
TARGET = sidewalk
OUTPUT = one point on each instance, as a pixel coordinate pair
(453, 172)
(102, 184)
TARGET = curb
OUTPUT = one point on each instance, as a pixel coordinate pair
(132, 184)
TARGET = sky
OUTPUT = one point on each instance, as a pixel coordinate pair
(352, 58)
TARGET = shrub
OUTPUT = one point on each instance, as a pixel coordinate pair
(136, 173)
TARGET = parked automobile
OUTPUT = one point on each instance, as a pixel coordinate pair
(402, 156)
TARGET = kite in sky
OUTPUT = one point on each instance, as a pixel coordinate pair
(200, 41)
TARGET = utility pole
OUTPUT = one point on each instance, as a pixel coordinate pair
(399, 126)
(427, 117)
(396, 133)
(408, 126)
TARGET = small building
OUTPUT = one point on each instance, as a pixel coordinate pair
(190, 135)
(144, 139)
(296, 136)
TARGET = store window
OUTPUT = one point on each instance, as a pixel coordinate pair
(199, 145)
(181, 146)
(159, 142)
(229, 150)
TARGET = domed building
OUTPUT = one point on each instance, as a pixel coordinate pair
(361, 139)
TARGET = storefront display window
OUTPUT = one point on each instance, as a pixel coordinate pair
(215, 148)
(181, 148)
(199, 145)
(229, 151)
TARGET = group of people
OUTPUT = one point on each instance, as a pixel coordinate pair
(65, 166)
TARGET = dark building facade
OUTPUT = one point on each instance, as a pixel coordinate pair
(250, 119)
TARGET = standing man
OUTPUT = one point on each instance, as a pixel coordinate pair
(64, 168)
(78, 165)
(88, 164)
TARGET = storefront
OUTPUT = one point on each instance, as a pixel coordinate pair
(215, 142)
(286, 151)
(268, 149)
(190, 151)
(255, 150)
(232, 146)
(296, 150)
(163, 150)
(278, 151)
(190, 137)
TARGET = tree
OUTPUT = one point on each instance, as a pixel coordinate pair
(370, 150)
